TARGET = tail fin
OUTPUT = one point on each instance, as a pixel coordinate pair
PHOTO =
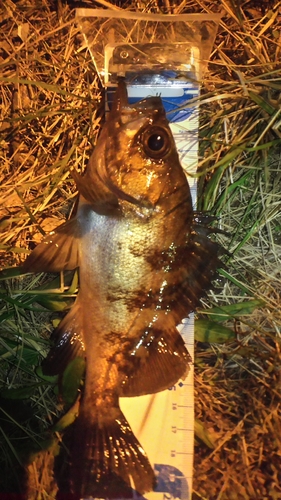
(105, 460)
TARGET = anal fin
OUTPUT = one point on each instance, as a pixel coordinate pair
(159, 361)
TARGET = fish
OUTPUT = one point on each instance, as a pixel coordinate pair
(145, 260)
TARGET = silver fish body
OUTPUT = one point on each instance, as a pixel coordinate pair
(143, 264)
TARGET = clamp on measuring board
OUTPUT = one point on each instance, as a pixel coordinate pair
(161, 55)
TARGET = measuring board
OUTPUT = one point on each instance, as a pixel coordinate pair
(164, 422)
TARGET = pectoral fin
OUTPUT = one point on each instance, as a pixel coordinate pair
(159, 361)
(58, 251)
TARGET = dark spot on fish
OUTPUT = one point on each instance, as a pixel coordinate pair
(136, 250)
(122, 358)
(141, 299)
(116, 295)
(169, 259)
(112, 337)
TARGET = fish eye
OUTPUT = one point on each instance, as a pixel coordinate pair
(156, 142)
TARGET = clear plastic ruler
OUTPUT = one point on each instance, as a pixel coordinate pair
(164, 422)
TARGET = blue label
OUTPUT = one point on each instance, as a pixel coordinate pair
(171, 483)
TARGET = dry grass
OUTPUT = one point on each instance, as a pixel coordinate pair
(49, 123)
(48, 120)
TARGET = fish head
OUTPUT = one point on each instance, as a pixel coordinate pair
(136, 157)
